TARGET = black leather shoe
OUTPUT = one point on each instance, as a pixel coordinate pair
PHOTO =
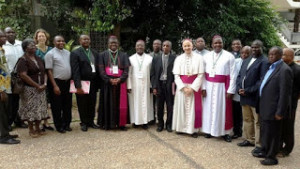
(145, 126)
(22, 125)
(256, 150)
(94, 126)
(245, 143)
(235, 136)
(269, 161)
(152, 122)
(84, 127)
(159, 128)
(61, 131)
(169, 128)
(47, 127)
(259, 154)
(13, 136)
(207, 136)
(68, 128)
(9, 140)
(227, 138)
(195, 135)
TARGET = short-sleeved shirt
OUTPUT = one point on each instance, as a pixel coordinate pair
(13, 52)
(59, 61)
(34, 69)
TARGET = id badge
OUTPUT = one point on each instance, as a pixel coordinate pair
(212, 73)
(93, 68)
(115, 69)
(140, 75)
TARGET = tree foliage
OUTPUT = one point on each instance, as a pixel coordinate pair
(176, 19)
(15, 14)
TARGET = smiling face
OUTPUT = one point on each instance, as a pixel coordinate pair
(113, 44)
(236, 45)
(85, 41)
(140, 47)
(217, 44)
(41, 38)
(187, 46)
(59, 42)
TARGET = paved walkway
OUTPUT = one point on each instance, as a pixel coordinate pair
(135, 148)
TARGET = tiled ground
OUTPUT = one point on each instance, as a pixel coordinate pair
(135, 148)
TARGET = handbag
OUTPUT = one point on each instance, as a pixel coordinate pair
(17, 84)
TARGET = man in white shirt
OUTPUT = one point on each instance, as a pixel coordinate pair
(13, 51)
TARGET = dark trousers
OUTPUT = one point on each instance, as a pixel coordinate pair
(165, 96)
(61, 105)
(288, 134)
(154, 108)
(13, 107)
(86, 105)
(270, 132)
(4, 131)
(237, 118)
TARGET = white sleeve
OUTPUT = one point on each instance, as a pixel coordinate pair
(129, 79)
(232, 85)
(49, 60)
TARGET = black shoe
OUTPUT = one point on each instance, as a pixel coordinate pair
(245, 143)
(47, 127)
(61, 131)
(235, 136)
(123, 128)
(207, 136)
(256, 150)
(134, 126)
(22, 125)
(159, 128)
(94, 126)
(145, 126)
(269, 161)
(68, 128)
(169, 128)
(9, 140)
(227, 138)
(13, 136)
(195, 135)
(84, 127)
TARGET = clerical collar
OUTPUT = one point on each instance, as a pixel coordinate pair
(113, 51)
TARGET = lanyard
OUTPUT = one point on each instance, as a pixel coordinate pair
(87, 53)
(215, 62)
(114, 60)
(140, 63)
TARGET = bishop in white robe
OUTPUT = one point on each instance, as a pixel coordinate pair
(139, 86)
(219, 87)
(188, 71)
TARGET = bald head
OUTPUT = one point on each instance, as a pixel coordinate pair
(288, 55)
(245, 52)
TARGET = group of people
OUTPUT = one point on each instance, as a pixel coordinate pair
(219, 93)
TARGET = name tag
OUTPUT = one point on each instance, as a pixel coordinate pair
(93, 67)
(115, 69)
(140, 75)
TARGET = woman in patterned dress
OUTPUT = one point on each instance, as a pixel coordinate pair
(33, 104)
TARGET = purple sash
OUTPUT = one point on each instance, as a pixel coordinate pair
(198, 100)
(228, 112)
(123, 97)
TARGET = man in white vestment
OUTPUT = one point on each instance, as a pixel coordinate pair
(218, 90)
(188, 71)
(139, 87)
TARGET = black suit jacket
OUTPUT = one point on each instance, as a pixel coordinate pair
(156, 71)
(296, 84)
(275, 97)
(81, 67)
(251, 78)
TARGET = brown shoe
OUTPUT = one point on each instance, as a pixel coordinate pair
(33, 134)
